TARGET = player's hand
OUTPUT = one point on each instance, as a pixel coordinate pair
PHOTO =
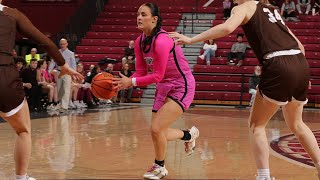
(65, 69)
(180, 39)
(27, 85)
(122, 83)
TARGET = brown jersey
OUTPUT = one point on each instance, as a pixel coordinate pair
(13, 20)
(266, 32)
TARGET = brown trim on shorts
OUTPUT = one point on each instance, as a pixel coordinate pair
(175, 100)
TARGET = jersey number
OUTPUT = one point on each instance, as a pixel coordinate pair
(273, 17)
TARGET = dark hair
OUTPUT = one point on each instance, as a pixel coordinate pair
(20, 59)
(94, 70)
(155, 11)
(41, 62)
(240, 35)
(33, 59)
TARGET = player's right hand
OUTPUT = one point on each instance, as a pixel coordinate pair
(180, 39)
(65, 69)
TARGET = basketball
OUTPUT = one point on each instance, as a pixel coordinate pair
(102, 87)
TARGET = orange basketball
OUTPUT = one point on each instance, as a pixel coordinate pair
(102, 87)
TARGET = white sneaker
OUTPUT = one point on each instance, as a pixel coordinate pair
(190, 145)
(109, 101)
(201, 57)
(30, 178)
(77, 104)
(156, 172)
(27, 178)
(71, 105)
(260, 178)
(51, 107)
(83, 104)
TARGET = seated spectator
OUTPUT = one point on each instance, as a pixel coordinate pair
(210, 48)
(84, 94)
(226, 9)
(14, 53)
(96, 70)
(74, 103)
(305, 4)
(316, 8)
(45, 81)
(126, 71)
(33, 55)
(20, 63)
(129, 56)
(253, 83)
(238, 51)
(29, 75)
(90, 69)
(109, 69)
(288, 11)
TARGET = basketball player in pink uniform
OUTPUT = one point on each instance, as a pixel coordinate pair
(284, 80)
(13, 106)
(175, 89)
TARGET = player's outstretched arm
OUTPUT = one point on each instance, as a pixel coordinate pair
(237, 17)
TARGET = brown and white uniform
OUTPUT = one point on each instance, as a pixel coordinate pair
(11, 87)
(285, 70)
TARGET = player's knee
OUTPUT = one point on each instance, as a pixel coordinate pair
(155, 130)
(255, 128)
(22, 129)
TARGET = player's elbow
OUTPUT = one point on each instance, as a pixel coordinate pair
(227, 29)
(157, 78)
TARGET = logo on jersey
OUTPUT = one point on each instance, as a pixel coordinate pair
(289, 147)
(149, 61)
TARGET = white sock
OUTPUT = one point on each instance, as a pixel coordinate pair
(20, 177)
(264, 173)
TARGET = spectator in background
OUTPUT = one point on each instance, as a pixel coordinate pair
(316, 8)
(96, 70)
(288, 11)
(20, 63)
(84, 94)
(45, 81)
(33, 55)
(74, 103)
(64, 83)
(253, 83)
(109, 69)
(129, 56)
(14, 53)
(126, 71)
(305, 4)
(90, 69)
(238, 51)
(226, 9)
(209, 48)
(29, 75)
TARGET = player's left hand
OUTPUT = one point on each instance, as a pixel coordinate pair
(180, 39)
(122, 83)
